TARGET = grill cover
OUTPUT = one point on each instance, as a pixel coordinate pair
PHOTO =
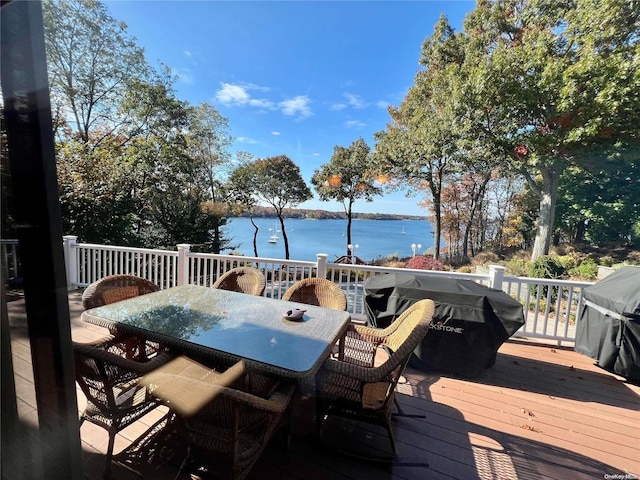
(470, 322)
(608, 327)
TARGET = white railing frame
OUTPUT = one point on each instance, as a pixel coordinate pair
(551, 306)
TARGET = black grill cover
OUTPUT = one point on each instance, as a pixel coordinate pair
(470, 322)
(608, 327)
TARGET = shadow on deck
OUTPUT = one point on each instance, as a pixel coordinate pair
(541, 412)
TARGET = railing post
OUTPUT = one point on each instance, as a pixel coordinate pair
(183, 263)
(70, 261)
(321, 259)
(496, 276)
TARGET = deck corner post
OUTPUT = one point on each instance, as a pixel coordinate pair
(321, 259)
(70, 260)
(496, 276)
(183, 263)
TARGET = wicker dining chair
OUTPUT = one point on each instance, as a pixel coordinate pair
(317, 291)
(109, 380)
(227, 417)
(242, 279)
(115, 288)
(352, 386)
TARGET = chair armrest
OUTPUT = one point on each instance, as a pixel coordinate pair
(276, 403)
(368, 334)
(357, 372)
(100, 352)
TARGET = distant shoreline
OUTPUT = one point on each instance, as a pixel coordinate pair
(315, 214)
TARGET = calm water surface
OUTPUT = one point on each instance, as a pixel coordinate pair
(376, 238)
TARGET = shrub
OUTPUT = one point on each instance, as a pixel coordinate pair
(587, 270)
(466, 269)
(607, 261)
(567, 261)
(546, 267)
(485, 258)
(420, 262)
(518, 267)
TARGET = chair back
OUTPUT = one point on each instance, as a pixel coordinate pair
(242, 279)
(317, 291)
(115, 288)
(227, 417)
(403, 336)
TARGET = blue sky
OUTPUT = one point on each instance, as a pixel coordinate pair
(293, 78)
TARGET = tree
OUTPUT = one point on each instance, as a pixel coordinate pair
(599, 201)
(277, 181)
(91, 61)
(550, 84)
(420, 144)
(241, 191)
(208, 140)
(97, 193)
(350, 175)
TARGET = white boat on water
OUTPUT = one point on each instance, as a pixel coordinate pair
(274, 237)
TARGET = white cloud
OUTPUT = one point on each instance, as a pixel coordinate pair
(275, 133)
(261, 103)
(316, 154)
(354, 100)
(187, 53)
(296, 106)
(354, 123)
(232, 95)
(238, 95)
(246, 140)
(253, 86)
(383, 104)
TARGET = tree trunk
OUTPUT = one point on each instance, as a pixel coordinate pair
(348, 211)
(546, 215)
(437, 228)
(284, 237)
(581, 228)
(255, 236)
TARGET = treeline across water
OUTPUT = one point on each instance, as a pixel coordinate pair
(317, 214)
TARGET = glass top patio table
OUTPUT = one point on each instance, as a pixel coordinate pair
(228, 326)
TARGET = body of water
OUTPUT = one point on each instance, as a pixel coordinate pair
(376, 238)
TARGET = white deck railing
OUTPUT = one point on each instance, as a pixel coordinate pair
(550, 306)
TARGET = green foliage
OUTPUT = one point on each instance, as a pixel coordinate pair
(635, 234)
(586, 270)
(276, 181)
(349, 176)
(567, 261)
(421, 262)
(518, 267)
(607, 261)
(540, 85)
(546, 267)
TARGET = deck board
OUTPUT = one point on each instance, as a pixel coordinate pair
(541, 412)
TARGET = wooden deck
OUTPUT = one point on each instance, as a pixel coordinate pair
(541, 412)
